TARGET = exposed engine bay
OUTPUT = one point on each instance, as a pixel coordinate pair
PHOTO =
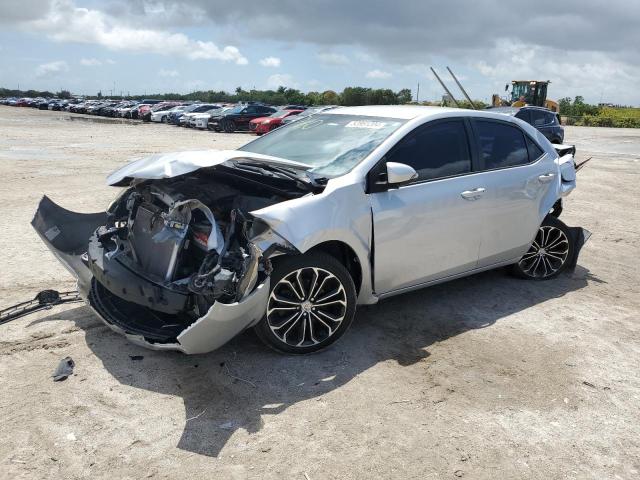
(171, 248)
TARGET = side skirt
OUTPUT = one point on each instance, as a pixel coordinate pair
(446, 279)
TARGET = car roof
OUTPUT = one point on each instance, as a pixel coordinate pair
(405, 112)
(515, 110)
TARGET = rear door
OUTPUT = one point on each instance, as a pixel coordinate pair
(430, 228)
(517, 176)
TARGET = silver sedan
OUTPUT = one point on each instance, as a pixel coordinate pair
(292, 231)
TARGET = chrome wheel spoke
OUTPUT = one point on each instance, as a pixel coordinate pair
(561, 257)
(319, 289)
(292, 288)
(285, 300)
(321, 321)
(327, 297)
(334, 302)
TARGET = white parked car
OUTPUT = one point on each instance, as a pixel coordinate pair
(161, 116)
(201, 120)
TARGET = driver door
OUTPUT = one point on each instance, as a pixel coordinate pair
(430, 228)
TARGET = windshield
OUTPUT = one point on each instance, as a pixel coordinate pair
(236, 109)
(330, 144)
(280, 114)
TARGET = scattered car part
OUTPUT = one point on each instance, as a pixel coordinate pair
(42, 301)
(64, 369)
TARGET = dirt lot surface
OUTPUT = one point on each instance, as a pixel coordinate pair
(485, 377)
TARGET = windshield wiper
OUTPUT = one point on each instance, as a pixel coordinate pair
(308, 180)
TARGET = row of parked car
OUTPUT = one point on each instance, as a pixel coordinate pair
(255, 117)
(219, 117)
(251, 116)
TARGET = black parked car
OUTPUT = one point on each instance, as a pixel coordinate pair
(543, 119)
(238, 118)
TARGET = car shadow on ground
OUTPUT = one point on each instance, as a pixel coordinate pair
(235, 386)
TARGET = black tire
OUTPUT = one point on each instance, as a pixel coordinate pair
(228, 126)
(296, 322)
(551, 252)
(163, 119)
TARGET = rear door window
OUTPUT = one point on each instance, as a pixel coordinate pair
(550, 118)
(524, 115)
(435, 151)
(500, 145)
(538, 118)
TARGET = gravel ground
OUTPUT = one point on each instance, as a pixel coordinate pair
(484, 377)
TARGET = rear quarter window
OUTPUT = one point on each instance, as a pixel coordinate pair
(535, 152)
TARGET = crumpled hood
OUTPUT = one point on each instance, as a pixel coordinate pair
(168, 165)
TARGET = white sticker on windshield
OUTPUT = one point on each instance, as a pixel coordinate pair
(365, 124)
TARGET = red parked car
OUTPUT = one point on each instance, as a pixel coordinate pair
(266, 124)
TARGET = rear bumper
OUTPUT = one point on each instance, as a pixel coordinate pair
(67, 235)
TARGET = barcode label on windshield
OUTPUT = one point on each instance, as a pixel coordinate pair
(365, 124)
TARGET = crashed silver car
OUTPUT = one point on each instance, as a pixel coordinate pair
(292, 231)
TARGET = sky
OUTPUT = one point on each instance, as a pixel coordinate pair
(585, 47)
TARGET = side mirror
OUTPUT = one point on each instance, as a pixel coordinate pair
(400, 173)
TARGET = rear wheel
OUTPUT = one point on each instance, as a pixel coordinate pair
(549, 254)
(311, 304)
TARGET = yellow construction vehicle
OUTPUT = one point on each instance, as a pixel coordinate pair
(526, 92)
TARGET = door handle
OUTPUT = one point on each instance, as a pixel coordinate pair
(474, 194)
(547, 177)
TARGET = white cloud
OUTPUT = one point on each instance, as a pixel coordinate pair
(379, 74)
(365, 57)
(333, 58)
(270, 62)
(168, 73)
(51, 69)
(110, 61)
(90, 62)
(281, 80)
(67, 23)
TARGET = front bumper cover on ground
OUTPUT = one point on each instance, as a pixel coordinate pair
(67, 233)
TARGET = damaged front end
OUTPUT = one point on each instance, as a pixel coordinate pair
(174, 263)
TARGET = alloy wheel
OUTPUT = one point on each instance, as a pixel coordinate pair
(548, 253)
(306, 307)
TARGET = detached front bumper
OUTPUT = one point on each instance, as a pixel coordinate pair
(67, 235)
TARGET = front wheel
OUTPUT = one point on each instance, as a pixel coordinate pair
(229, 126)
(311, 304)
(550, 253)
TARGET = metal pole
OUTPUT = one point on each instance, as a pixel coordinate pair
(445, 88)
(418, 94)
(462, 89)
